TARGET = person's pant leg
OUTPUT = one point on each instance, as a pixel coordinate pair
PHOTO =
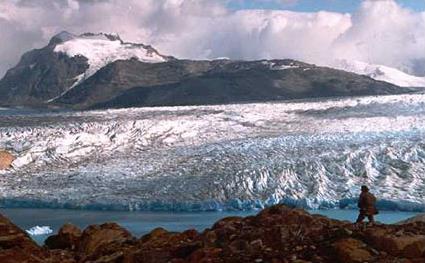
(360, 218)
(370, 218)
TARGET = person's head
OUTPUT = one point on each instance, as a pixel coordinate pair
(365, 188)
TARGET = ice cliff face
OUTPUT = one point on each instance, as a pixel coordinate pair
(309, 153)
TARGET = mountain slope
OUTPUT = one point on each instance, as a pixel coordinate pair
(382, 73)
(101, 70)
(235, 81)
(101, 49)
(40, 75)
(45, 74)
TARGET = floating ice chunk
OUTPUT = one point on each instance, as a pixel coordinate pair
(39, 230)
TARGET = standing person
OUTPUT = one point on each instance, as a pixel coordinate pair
(366, 205)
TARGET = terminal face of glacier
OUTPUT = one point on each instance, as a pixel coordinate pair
(308, 153)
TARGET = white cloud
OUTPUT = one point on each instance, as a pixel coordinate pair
(384, 33)
(380, 32)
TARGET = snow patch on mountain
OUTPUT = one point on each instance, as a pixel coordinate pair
(276, 66)
(382, 73)
(101, 50)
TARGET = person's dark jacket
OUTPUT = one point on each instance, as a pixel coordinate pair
(367, 204)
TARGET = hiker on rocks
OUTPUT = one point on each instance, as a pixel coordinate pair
(367, 205)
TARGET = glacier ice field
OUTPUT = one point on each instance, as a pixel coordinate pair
(309, 153)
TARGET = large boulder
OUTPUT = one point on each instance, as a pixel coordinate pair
(399, 244)
(103, 240)
(161, 245)
(352, 251)
(68, 237)
(16, 246)
(6, 159)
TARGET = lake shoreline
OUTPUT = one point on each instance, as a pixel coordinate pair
(275, 234)
(142, 222)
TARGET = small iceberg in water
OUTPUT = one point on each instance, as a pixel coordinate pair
(39, 230)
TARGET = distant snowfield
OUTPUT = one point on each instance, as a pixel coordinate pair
(382, 73)
(314, 154)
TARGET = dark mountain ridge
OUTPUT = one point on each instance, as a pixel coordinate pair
(48, 78)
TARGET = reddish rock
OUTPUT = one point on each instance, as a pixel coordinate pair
(185, 249)
(68, 237)
(6, 160)
(397, 243)
(103, 240)
(232, 222)
(158, 234)
(277, 234)
(16, 246)
(163, 246)
(352, 251)
(206, 255)
(210, 237)
(19, 255)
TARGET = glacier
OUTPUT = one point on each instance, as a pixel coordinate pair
(309, 153)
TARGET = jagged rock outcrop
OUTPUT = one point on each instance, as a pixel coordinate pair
(6, 159)
(277, 234)
(40, 75)
(100, 240)
(68, 237)
(16, 246)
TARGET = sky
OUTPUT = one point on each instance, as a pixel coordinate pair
(342, 6)
(384, 32)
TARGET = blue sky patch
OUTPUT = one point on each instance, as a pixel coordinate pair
(342, 6)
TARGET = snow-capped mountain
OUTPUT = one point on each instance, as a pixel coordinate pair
(103, 49)
(101, 70)
(382, 73)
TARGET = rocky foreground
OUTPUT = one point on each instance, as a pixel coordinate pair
(277, 234)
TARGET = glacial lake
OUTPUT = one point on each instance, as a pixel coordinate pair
(140, 223)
